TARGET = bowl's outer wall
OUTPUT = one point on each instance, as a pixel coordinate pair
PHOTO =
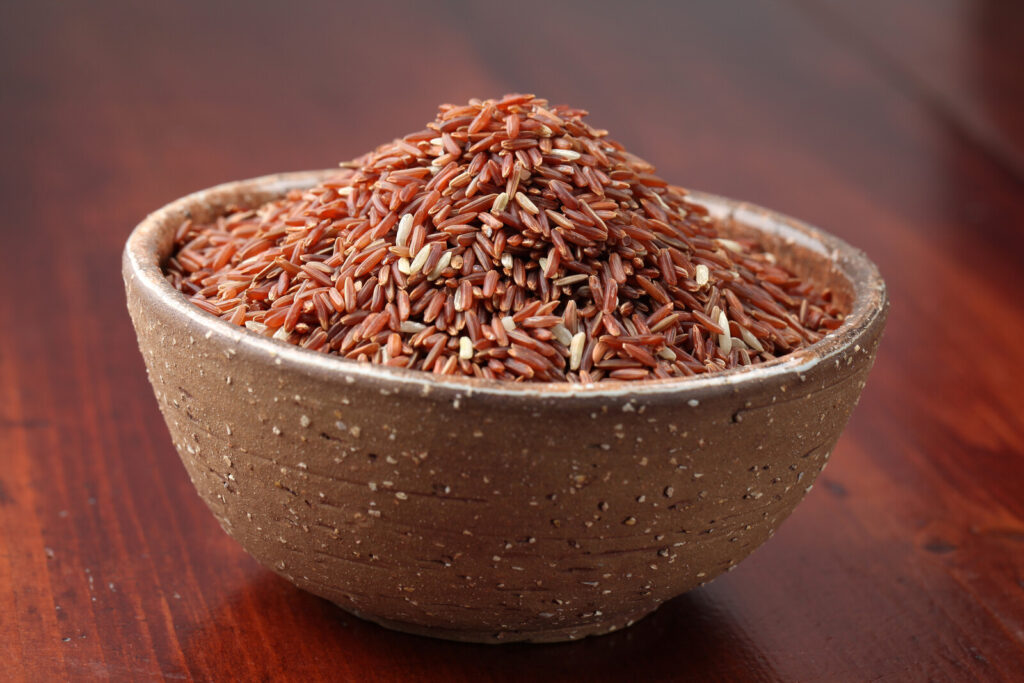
(482, 516)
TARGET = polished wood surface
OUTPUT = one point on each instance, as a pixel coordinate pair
(899, 129)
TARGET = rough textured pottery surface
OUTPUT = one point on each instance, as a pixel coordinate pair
(485, 511)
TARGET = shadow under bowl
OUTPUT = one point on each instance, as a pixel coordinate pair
(492, 511)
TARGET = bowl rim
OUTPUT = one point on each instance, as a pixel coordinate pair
(870, 304)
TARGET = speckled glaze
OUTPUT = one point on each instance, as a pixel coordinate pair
(489, 511)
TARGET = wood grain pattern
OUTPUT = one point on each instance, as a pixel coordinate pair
(906, 563)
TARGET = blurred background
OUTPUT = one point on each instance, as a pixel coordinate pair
(897, 126)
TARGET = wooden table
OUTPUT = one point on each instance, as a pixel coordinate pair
(898, 126)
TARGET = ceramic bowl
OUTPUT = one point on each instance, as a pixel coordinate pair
(491, 511)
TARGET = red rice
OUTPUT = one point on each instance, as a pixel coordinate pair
(507, 240)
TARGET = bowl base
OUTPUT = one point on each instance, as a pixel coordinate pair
(498, 636)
